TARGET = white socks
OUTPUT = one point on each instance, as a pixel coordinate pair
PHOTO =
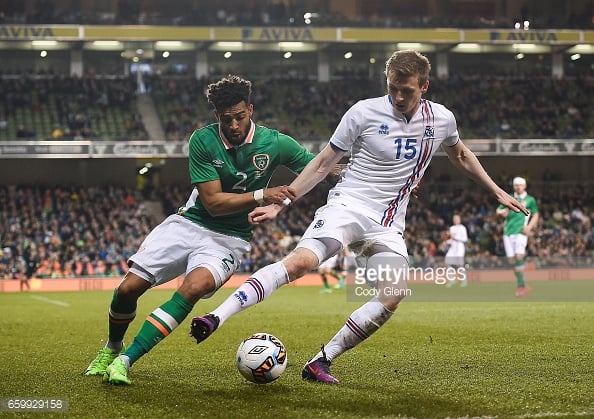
(258, 286)
(362, 323)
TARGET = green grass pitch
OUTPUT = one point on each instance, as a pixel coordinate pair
(433, 359)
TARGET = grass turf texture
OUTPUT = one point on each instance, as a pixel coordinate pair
(433, 359)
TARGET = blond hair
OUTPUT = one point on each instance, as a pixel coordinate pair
(407, 63)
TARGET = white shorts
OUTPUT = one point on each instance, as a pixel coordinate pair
(177, 246)
(515, 244)
(336, 221)
(330, 263)
(454, 260)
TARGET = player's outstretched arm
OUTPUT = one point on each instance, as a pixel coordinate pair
(316, 170)
(467, 162)
(219, 203)
(262, 214)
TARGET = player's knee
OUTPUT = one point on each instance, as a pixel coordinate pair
(388, 273)
(299, 262)
(195, 287)
(131, 290)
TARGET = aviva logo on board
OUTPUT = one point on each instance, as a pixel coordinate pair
(276, 34)
(28, 32)
(532, 36)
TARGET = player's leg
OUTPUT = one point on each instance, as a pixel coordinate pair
(326, 289)
(364, 321)
(324, 269)
(510, 252)
(161, 322)
(151, 259)
(122, 311)
(521, 241)
(208, 259)
(264, 282)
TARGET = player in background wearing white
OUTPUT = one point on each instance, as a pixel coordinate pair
(329, 267)
(392, 139)
(516, 230)
(458, 236)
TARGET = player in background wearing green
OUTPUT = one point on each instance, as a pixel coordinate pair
(516, 230)
(230, 164)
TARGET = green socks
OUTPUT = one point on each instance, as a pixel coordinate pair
(121, 315)
(519, 271)
(158, 325)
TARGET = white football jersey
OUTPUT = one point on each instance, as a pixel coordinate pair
(389, 155)
(458, 236)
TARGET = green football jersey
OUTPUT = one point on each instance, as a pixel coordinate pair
(515, 221)
(240, 169)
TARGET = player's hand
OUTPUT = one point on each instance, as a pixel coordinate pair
(510, 202)
(502, 212)
(415, 192)
(261, 214)
(278, 194)
(526, 230)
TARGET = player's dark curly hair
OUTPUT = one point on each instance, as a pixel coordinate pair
(408, 63)
(229, 91)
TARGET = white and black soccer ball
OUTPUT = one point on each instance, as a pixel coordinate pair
(261, 358)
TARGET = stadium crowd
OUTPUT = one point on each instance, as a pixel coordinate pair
(65, 232)
(52, 232)
(66, 107)
(490, 106)
(287, 13)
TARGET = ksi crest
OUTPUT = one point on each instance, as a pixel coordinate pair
(429, 131)
(261, 161)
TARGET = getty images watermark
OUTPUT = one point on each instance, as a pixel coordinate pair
(481, 279)
(384, 277)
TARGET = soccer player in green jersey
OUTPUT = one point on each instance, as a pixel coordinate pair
(230, 162)
(516, 230)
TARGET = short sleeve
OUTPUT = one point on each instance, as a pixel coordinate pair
(201, 168)
(452, 136)
(292, 154)
(532, 206)
(348, 129)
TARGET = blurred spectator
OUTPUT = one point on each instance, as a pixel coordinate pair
(57, 231)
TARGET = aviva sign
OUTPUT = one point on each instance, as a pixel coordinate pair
(544, 37)
(277, 34)
(19, 32)
(26, 32)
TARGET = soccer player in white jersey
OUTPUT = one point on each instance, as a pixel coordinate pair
(458, 236)
(392, 139)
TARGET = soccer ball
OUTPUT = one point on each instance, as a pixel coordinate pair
(261, 358)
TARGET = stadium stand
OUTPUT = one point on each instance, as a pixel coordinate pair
(397, 14)
(504, 106)
(55, 227)
(64, 107)
(522, 103)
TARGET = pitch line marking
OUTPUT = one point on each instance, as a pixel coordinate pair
(50, 301)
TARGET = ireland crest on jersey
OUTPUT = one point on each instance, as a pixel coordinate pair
(261, 161)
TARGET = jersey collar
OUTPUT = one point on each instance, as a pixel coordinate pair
(248, 139)
(521, 196)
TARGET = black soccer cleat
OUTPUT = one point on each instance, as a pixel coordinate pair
(202, 327)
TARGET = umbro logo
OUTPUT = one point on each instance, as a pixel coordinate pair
(218, 163)
(384, 129)
(256, 350)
